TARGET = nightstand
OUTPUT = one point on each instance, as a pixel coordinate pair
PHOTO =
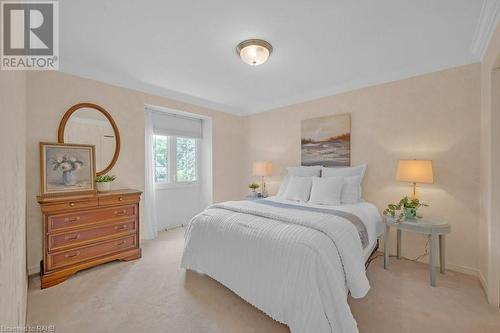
(433, 229)
(253, 198)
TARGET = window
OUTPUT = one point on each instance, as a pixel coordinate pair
(186, 160)
(161, 155)
(176, 160)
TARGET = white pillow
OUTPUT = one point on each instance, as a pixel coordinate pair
(300, 171)
(326, 191)
(298, 189)
(351, 190)
(283, 186)
(304, 171)
(358, 170)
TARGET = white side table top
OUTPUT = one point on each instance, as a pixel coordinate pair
(423, 225)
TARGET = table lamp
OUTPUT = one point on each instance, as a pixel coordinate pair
(415, 171)
(263, 169)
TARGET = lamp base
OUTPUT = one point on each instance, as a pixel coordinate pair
(414, 192)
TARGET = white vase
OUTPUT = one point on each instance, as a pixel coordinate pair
(102, 187)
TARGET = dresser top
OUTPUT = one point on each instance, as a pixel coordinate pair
(74, 197)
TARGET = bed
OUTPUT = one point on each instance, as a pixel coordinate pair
(297, 262)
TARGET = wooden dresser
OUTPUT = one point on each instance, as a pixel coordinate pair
(82, 231)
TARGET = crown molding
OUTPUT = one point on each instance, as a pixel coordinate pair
(388, 77)
(129, 82)
(485, 27)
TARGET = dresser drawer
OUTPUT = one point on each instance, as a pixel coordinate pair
(85, 236)
(69, 257)
(71, 220)
(112, 200)
(70, 205)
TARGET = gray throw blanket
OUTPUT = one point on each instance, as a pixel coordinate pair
(356, 221)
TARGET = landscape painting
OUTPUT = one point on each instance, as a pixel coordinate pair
(326, 141)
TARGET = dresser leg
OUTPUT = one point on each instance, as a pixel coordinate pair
(134, 256)
(47, 281)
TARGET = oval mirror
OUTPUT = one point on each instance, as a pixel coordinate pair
(88, 123)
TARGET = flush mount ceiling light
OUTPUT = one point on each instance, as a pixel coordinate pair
(254, 51)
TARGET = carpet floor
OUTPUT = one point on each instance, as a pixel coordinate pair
(154, 295)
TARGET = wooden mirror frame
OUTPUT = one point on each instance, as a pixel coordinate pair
(73, 109)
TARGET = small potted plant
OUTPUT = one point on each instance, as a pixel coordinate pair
(254, 187)
(104, 182)
(407, 208)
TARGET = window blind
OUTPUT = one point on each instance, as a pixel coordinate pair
(177, 125)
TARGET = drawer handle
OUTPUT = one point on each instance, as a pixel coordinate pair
(120, 212)
(72, 255)
(72, 204)
(120, 198)
(123, 227)
(71, 220)
(71, 238)
(120, 243)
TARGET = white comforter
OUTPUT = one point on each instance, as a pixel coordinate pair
(296, 266)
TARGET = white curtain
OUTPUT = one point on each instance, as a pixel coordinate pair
(150, 220)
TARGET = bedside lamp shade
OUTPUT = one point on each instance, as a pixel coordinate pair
(415, 171)
(262, 169)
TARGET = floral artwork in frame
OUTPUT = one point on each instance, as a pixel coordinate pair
(326, 141)
(67, 168)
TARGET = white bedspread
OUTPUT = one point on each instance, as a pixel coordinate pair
(296, 266)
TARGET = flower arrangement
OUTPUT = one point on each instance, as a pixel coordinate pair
(407, 206)
(65, 163)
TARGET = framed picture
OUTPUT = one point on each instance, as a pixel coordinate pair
(67, 168)
(326, 141)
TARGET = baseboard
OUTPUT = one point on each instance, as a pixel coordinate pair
(449, 266)
(174, 227)
(484, 282)
(33, 270)
(463, 269)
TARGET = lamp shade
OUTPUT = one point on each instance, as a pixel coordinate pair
(415, 171)
(262, 168)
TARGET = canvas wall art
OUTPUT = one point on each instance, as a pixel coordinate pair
(67, 168)
(326, 141)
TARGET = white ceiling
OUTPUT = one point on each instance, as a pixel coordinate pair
(186, 49)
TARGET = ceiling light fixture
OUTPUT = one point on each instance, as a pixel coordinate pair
(254, 51)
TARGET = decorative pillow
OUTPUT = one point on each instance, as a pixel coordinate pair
(358, 170)
(326, 191)
(304, 171)
(300, 171)
(298, 189)
(351, 190)
(283, 186)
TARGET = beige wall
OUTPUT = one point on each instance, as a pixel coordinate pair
(52, 93)
(489, 236)
(434, 116)
(13, 278)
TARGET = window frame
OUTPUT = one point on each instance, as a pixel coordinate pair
(172, 163)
